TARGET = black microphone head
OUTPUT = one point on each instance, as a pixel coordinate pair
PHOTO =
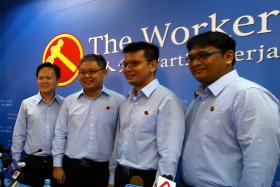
(18, 176)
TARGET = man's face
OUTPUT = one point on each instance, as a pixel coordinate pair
(138, 70)
(91, 76)
(207, 64)
(47, 80)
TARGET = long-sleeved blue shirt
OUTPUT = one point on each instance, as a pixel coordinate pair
(150, 132)
(34, 126)
(86, 127)
(232, 135)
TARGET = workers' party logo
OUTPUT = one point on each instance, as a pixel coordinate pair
(64, 50)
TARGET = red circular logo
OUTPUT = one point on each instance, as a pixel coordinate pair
(64, 50)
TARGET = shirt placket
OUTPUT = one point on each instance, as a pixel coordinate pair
(129, 128)
(48, 116)
(91, 128)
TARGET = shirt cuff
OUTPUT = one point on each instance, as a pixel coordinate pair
(57, 161)
(16, 157)
(112, 178)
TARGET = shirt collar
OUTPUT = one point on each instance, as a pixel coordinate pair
(58, 98)
(148, 89)
(39, 98)
(103, 91)
(217, 86)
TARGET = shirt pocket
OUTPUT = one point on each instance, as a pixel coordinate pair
(77, 116)
(107, 117)
(212, 126)
(146, 125)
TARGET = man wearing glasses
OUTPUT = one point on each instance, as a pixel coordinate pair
(151, 123)
(85, 129)
(232, 125)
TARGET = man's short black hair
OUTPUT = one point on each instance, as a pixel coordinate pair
(49, 65)
(99, 59)
(219, 40)
(151, 51)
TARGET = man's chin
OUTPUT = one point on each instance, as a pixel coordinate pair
(88, 88)
(131, 82)
(45, 91)
(200, 77)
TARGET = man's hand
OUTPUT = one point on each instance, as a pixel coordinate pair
(59, 175)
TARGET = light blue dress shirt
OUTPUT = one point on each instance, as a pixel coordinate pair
(34, 128)
(86, 127)
(151, 131)
(232, 136)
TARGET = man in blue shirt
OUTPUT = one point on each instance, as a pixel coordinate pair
(85, 129)
(34, 128)
(232, 125)
(151, 123)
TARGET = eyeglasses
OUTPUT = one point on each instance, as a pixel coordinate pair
(90, 72)
(131, 64)
(201, 55)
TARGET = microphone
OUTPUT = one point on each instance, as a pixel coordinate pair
(21, 164)
(15, 166)
(164, 182)
(17, 178)
(13, 170)
(136, 181)
(5, 162)
(169, 177)
(38, 151)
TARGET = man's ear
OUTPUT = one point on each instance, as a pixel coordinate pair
(57, 81)
(153, 65)
(105, 72)
(229, 56)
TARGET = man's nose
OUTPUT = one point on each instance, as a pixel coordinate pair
(127, 68)
(195, 61)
